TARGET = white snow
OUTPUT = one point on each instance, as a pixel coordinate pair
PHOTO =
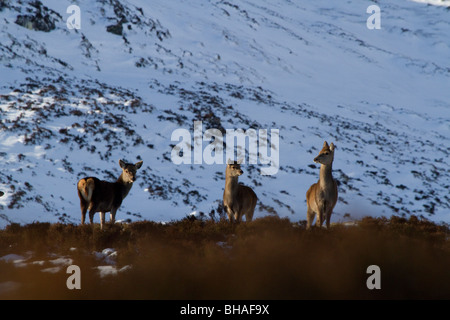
(106, 271)
(52, 269)
(445, 3)
(13, 258)
(62, 261)
(107, 255)
(57, 263)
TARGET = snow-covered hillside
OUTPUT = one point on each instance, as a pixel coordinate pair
(75, 101)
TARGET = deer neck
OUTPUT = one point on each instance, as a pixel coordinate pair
(125, 186)
(231, 186)
(325, 177)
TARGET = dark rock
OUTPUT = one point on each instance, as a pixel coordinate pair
(37, 23)
(3, 5)
(43, 19)
(115, 29)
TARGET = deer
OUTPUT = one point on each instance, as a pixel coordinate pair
(322, 196)
(238, 199)
(102, 196)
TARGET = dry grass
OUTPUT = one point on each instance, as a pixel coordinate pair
(269, 258)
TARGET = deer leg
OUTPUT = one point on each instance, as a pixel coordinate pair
(102, 219)
(230, 214)
(91, 215)
(319, 220)
(309, 218)
(112, 215)
(322, 210)
(83, 206)
(328, 218)
(249, 216)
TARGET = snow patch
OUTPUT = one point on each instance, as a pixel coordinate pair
(107, 271)
(107, 255)
(445, 3)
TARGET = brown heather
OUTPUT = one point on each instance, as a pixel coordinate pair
(268, 258)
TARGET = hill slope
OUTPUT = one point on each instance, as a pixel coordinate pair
(73, 102)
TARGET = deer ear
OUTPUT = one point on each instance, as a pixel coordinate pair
(228, 161)
(240, 161)
(332, 147)
(325, 144)
(122, 164)
(138, 164)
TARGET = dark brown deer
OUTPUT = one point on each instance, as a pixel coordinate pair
(102, 196)
(238, 200)
(322, 196)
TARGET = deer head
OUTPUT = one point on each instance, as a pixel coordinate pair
(234, 169)
(326, 155)
(129, 170)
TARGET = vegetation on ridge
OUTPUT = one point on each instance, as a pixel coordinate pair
(268, 258)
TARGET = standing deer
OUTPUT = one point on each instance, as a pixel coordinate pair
(102, 196)
(237, 198)
(322, 196)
